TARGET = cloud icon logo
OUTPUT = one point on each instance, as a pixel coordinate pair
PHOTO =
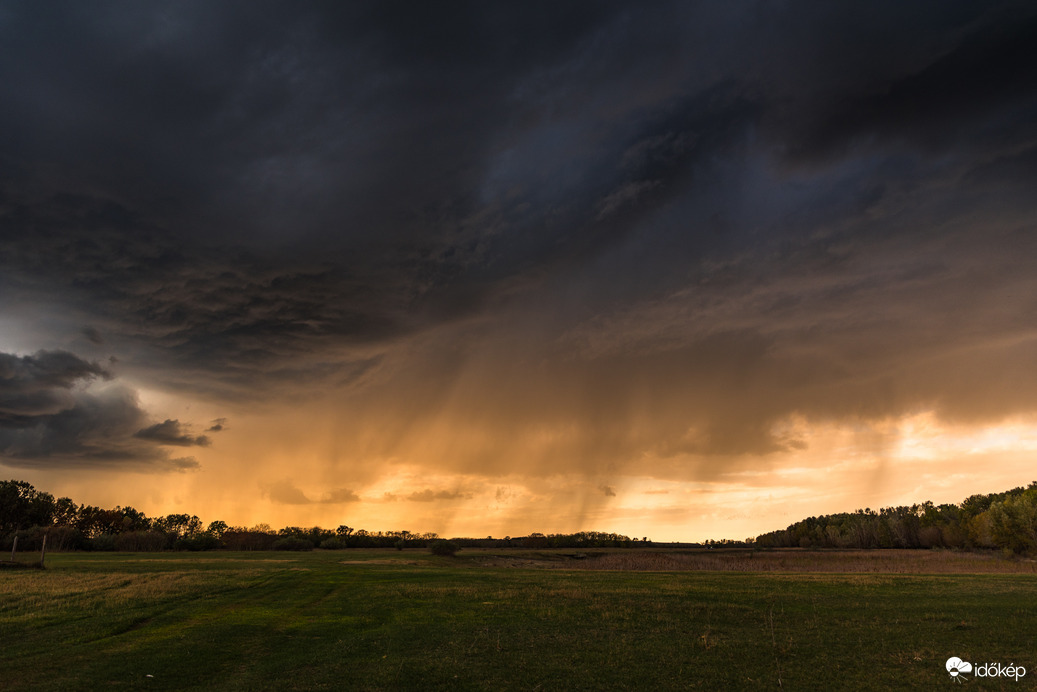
(956, 666)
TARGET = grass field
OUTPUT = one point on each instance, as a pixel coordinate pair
(511, 620)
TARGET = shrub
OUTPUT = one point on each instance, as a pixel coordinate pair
(105, 541)
(58, 538)
(442, 547)
(141, 541)
(248, 539)
(292, 543)
(332, 544)
(203, 541)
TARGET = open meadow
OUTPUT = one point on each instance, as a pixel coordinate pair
(386, 619)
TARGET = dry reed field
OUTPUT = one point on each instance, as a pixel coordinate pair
(870, 561)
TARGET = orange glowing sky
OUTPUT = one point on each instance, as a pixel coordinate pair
(679, 272)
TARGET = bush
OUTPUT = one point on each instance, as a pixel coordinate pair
(58, 538)
(443, 547)
(141, 541)
(292, 543)
(248, 539)
(105, 542)
(332, 544)
(203, 541)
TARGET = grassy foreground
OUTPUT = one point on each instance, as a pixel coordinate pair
(391, 620)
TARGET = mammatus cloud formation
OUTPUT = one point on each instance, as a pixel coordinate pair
(618, 260)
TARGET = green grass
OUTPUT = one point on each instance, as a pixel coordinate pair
(391, 620)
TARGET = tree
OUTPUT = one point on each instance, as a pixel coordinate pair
(1013, 522)
(22, 506)
(217, 528)
(133, 520)
(94, 521)
(179, 525)
(65, 512)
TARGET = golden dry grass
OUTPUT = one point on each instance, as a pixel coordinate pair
(34, 594)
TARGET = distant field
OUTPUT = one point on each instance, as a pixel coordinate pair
(514, 620)
(889, 561)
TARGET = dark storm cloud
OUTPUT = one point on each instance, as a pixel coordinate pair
(171, 432)
(49, 418)
(221, 319)
(326, 137)
(1012, 170)
(670, 227)
(984, 84)
(275, 119)
(93, 335)
(41, 384)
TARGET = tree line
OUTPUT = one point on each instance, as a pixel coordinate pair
(1005, 521)
(30, 514)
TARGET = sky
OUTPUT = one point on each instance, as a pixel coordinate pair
(677, 270)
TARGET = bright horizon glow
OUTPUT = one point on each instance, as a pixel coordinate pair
(921, 459)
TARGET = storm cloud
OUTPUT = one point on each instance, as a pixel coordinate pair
(421, 246)
(50, 417)
(170, 432)
(41, 384)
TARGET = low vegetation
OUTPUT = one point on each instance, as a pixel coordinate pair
(806, 561)
(388, 620)
(443, 548)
